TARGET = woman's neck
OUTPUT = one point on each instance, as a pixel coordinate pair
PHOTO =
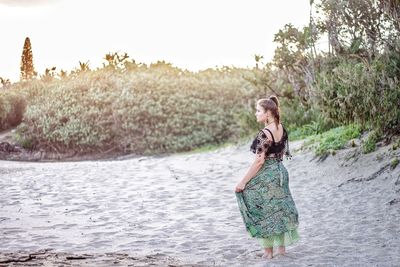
(269, 123)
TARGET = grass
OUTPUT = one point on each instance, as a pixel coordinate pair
(394, 162)
(396, 144)
(300, 133)
(370, 143)
(315, 126)
(324, 143)
(332, 140)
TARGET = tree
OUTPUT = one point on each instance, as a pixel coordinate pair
(294, 56)
(5, 83)
(49, 74)
(27, 69)
(258, 59)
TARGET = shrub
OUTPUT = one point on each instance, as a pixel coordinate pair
(12, 108)
(145, 111)
(369, 145)
(354, 92)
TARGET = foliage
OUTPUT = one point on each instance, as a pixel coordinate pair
(334, 139)
(146, 110)
(360, 27)
(356, 80)
(27, 69)
(5, 83)
(130, 106)
(12, 108)
(365, 94)
(369, 145)
(394, 162)
(295, 48)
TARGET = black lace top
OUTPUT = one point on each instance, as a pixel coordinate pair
(262, 144)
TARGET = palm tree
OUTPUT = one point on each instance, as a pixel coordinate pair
(258, 58)
(5, 82)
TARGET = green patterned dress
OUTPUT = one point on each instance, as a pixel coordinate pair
(266, 205)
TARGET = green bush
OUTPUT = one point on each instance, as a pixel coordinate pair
(355, 92)
(12, 108)
(145, 111)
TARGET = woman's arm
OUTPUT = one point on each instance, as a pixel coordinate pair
(261, 145)
(253, 170)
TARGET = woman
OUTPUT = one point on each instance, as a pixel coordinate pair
(263, 195)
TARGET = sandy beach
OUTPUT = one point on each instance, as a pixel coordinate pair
(180, 210)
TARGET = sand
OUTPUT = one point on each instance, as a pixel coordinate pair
(180, 210)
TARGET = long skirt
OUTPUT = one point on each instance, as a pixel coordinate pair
(267, 207)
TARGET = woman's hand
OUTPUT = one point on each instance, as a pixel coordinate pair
(240, 186)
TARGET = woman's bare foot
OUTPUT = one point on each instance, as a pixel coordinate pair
(267, 256)
(281, 250)
(267, 253)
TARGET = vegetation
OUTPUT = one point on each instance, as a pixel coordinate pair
(394, 162)
(332, 95)
(356, 80)
(353, 82)
(12, 108)
(27, 69)
(370, 143)
(334, 139)
(129, 107)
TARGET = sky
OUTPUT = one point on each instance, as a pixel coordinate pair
(190, 34)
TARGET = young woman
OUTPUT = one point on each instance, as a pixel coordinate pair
(265, 202)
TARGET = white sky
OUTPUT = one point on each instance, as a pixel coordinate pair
(191, 34)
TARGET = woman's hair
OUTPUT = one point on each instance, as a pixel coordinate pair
(272, 104)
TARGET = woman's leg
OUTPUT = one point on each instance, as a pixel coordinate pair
(267, 244)
(268, 252)
(281, 248)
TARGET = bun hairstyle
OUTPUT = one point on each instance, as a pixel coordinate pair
(272, 104)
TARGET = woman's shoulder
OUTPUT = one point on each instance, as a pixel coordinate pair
(284, 133)
(262, 132)
(272, 129)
